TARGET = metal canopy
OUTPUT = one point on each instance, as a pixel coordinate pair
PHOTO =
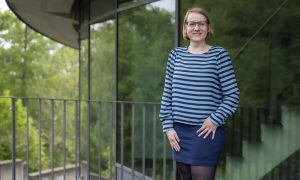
(59, 19)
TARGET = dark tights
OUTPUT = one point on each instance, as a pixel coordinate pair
(188, 172)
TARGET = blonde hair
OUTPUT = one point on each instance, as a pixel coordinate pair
(198, 11)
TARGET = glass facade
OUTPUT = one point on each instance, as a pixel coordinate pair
(128, 59)
(146, 35)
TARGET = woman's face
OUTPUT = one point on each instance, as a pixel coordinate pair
(196, 27)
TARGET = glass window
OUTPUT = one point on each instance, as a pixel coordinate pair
(103, 77)
(103, 61)
(146, 36)
(263, 42)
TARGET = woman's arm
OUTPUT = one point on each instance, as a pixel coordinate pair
(166, 102)
(229, 88)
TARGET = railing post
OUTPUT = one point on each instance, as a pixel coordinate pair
(99, 139)
(65, 137)
(40, 138)
(154, 144)
(13, 116)
(132, 139)
(122, 141)
(27, 138)
(77, 139)
(143, 142)
(52, 139)
(88, 139)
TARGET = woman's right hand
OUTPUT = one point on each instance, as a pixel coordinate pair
(174, 139)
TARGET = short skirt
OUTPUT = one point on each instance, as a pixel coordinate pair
(196, 150)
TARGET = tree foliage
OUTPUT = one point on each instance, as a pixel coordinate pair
(21, 124)
(34, 66)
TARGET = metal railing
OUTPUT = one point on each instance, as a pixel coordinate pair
(87, 139)
(109, 136)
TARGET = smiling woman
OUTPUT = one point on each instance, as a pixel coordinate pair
(200, 94)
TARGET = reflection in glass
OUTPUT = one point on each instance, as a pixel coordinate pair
(264, 48)
(102, 88)
(146, 36)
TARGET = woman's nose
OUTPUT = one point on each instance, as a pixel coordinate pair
(197, 26)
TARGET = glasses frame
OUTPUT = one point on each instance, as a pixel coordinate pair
(195, 23)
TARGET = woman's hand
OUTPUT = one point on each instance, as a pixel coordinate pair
(174, 139)
(207, 127)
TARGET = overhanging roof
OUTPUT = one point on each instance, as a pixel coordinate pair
(59, 19)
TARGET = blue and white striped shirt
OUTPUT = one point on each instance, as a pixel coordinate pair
(198, 86)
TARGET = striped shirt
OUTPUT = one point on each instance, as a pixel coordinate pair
(198, 86)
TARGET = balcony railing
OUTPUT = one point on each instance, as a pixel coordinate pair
(88, 139)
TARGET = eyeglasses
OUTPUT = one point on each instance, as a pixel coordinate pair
(193, 24)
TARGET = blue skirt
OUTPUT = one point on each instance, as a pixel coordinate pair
(196, 150)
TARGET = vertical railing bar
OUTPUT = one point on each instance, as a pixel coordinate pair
(232, 142)
(52, 139)
(114, 149)
(288, 167)
(65, 137)
(164, 157)
(0, 166)
(88, 140)
(296, 162)
(143, 140)
(258, 125)
(110, 141)
(79, 139)
(76, 139)
(27, 138)
(174, 170)
(13, 116)
(122, 139)
(278, 118)
(99, 140)
(266, 115)
(250, 124)
(281, 171)
(154, 144)
(241, 132)
(40, 138)
(132, 139)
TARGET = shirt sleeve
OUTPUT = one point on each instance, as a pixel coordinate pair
(229, 89)
(165, 114)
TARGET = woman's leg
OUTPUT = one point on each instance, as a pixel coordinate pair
(203, 172)
(184, 171)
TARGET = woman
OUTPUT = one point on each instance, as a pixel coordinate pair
(200, 92)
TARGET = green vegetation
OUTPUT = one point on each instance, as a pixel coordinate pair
(33, 66)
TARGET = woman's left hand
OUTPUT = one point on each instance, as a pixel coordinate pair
(207, 127)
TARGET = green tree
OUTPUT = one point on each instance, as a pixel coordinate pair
(20, 122)
(34, 66)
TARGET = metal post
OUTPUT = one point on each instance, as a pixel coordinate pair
(40, 138)
(65, 137)
(132, 140)
(99, 140)
(88, 139)
(77, 139)
(143, 140)
(250, 122)
(122, 141)
(154, 144)
(52, 140)
(110, 140)
(27, 138)
(13, 116)
(164, 157)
